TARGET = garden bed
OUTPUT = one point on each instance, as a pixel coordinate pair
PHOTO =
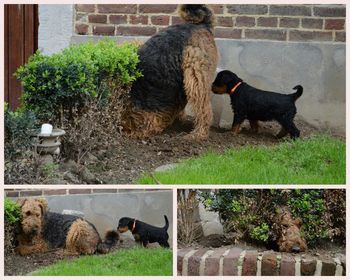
(23, 265)
(125, 160)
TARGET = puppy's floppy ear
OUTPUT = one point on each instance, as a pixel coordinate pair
(21, 201)
(43, 205)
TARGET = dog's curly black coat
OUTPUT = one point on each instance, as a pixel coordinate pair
(258, 105)
(178, 65)
(56, 227)
(145, 233)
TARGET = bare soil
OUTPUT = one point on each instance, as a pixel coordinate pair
(125, 160)
(24, 265)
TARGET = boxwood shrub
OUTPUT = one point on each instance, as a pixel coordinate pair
(59, 85)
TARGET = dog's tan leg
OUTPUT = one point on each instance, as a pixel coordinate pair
(236, 129)
(82, 238)
(199, 64)
(254, 125)
(283, 132)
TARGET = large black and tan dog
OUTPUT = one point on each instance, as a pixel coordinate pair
(145, 233)
(42, 231)
(257, 105)
(178, 66)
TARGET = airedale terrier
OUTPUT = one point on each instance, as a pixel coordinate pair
(257, 105)
(145, 233)
(42, 231)
(178, 66)
(289, 238)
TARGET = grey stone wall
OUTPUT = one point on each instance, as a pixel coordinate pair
(104, 210)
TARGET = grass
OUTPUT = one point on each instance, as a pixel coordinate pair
(316, 160)
(124, 262)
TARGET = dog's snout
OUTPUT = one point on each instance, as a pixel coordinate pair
(296, 249)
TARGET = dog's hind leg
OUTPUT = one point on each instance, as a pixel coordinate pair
(199, 65)
(288, 126)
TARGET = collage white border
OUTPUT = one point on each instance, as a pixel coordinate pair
(173, 187)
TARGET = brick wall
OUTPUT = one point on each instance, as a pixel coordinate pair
(257, 22)
(47, 192)
(238, 262)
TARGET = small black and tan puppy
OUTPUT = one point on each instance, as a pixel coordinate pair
(145, 233)
(257, 105)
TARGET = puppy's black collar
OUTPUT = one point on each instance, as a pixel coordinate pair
(234, 88)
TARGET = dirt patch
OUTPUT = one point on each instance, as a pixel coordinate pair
(125, 160)
(226, 241)
(24, 265)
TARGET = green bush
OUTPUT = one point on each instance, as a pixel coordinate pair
(59, 85)
(18, 126)
(12, 211)
(252, 212)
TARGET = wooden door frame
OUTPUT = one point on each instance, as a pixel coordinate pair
(21, 41)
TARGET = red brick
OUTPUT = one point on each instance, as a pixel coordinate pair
(118, 19)
(160, 20)
(290, 10)
(55, 192)
(136, 30)
(245, 21)
(296, 35)
(176, 20)
(269, 264)
(308, 266)
(194, 262)
(79, 191)
(328, 267)
(289, 22)
(217, 8)
(85, 8)
(249, 263)
(267, 21)
(287, 267)
(224, 21)
(231, 261)
(330, 11)
(337, 24)
(212, 262)
(153, 9)
(97, 18)
(103, 30)
(340, 36)
(12, 193)
(269, 34)
(227, 33)
(31, 193)
(117, 9)
(180, 256)
(312, 23)
(247, 9)
(138, 19)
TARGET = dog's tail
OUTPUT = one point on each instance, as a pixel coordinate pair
(166, 223)
(299, 92)
(111, 239)
(197, 14)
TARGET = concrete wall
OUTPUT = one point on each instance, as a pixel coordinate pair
(279, 66)
(55, 27)
(105, 210)
(271, 65)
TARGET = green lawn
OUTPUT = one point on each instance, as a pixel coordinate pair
(124, 262)
(316, 160)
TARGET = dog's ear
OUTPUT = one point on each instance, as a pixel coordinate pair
(21, 201)
(298, 222)
(43, 205)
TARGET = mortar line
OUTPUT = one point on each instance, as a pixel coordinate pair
(240, 263)
(318, 269)
(185, 262)
(202, 262)
(221, 262)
